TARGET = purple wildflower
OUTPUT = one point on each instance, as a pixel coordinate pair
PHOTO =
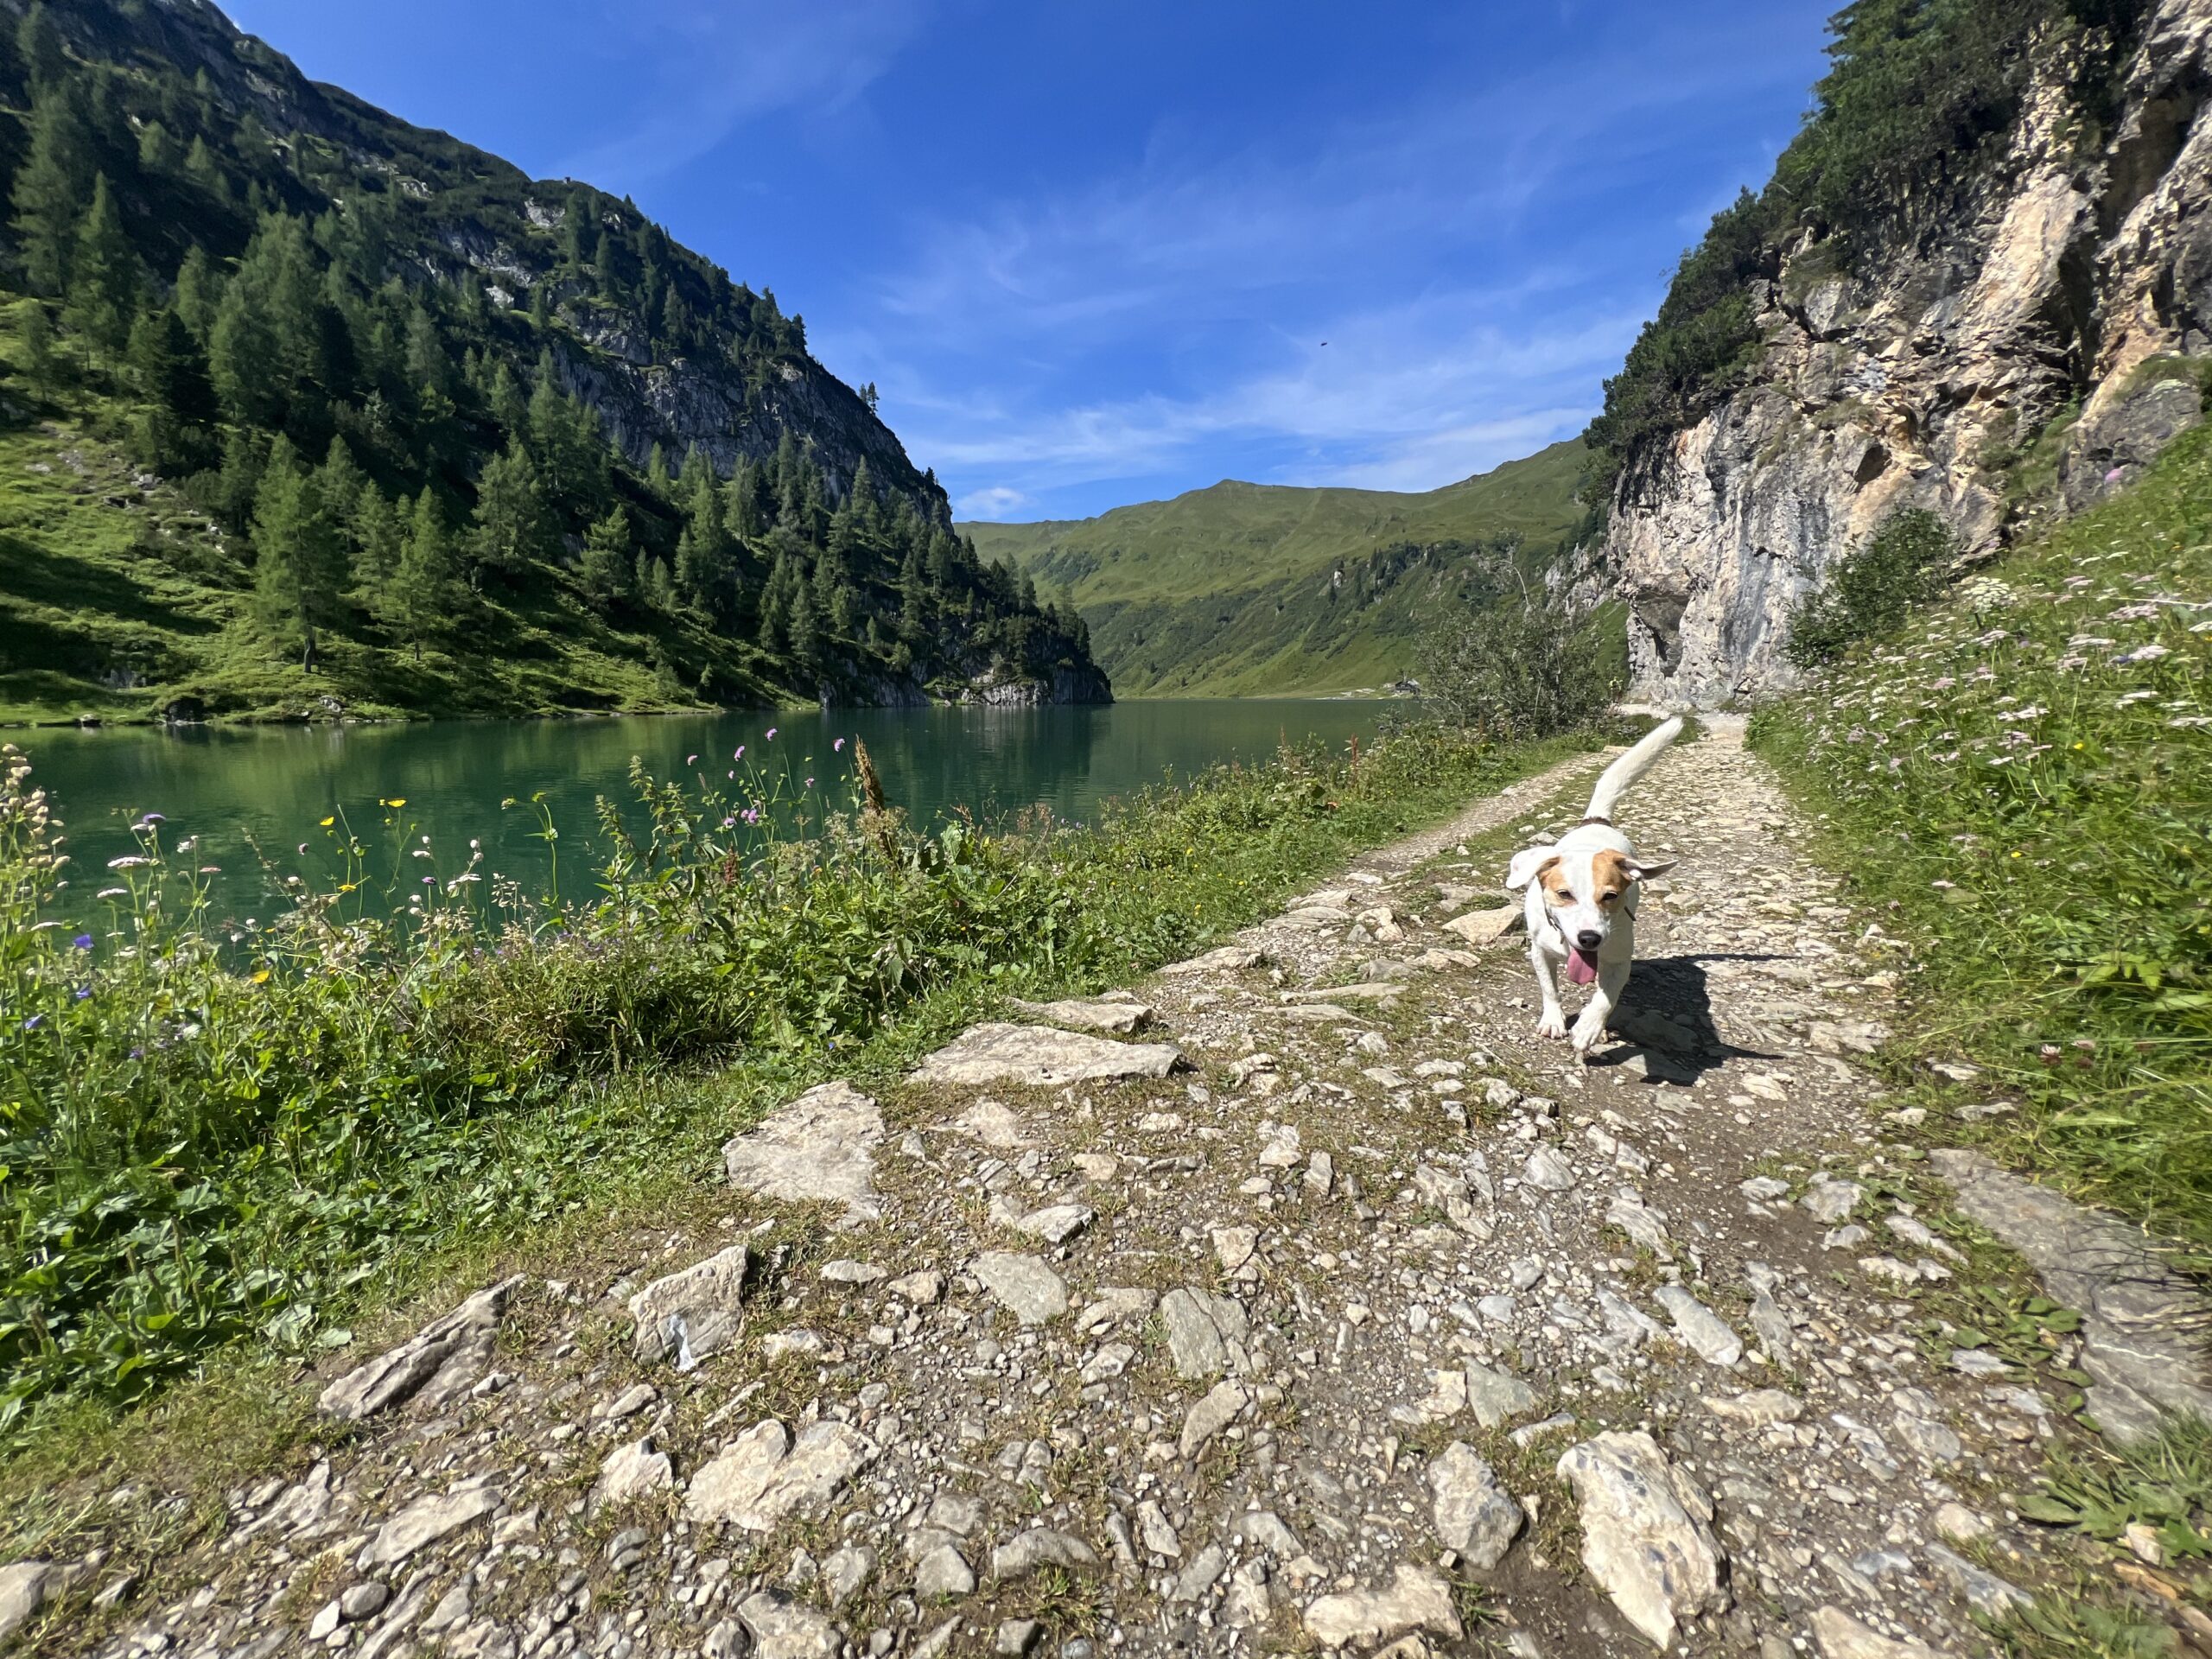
(83, 940)
(690, 760)
(839, 745)
(81, 992)
(771, 734)
(33, 1022)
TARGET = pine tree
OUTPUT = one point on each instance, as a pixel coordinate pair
(238, 481)
(514, 530)
(805, 625)
(104, 284)
(38, 346)
(607, 558)
(509, 407)
(53, 188)
(419, 599)
(657, 478)
(198, 291)
(914, 598)
(380, 539)
(38, 43)
(166, 364)
(299, 563)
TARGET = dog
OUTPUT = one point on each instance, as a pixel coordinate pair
(1582, 896)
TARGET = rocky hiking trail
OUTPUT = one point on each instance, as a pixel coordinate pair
(1298, 1299)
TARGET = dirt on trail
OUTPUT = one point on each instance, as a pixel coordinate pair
(1298, 1299)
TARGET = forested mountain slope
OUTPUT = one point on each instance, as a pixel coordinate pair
(1241, 588)
(1979, 283)
(308, 410)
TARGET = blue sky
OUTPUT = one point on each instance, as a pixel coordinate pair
(1091, 253)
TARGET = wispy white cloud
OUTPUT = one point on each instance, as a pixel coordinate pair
(716, 67)
(1460, 257)
(997, 501)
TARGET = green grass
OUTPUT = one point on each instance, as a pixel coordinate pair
(2158, 1493)
(1228, 591)
(2018, 784)
(248, 1141)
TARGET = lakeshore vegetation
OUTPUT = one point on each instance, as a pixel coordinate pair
(245, 1135)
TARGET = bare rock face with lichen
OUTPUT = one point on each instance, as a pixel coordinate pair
(2076, 277)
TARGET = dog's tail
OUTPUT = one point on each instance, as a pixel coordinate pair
(1616, 778)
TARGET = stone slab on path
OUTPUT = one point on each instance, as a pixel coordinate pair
(1038, 1057)
(820, 1148)
(2143, 1325)
(1114, 1019)
(435, 1365)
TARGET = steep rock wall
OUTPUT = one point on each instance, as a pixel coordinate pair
(2072, 280)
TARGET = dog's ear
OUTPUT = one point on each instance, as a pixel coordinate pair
(1639, 870)
(1522, 870)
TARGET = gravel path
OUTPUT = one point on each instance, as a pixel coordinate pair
(1299, 1299)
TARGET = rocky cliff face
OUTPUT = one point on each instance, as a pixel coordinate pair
(2074, 282)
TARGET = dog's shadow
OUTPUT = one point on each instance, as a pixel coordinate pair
(1664, 1022)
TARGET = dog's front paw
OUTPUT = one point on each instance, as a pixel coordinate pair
(1553, 1026)
(1588, 1034)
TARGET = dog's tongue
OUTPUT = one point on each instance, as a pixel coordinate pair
(1579, 967)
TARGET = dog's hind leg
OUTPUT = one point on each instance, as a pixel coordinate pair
(1552, 1022)
(1605, 997)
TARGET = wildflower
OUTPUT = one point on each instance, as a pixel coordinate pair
(129, 863)
(839, 745)
(147, 820)
(740, 755)
(690, 760)
(810, 783)
(33, 1022)
(81, 992)
(111, 893)
(327, 822)
(83, 940)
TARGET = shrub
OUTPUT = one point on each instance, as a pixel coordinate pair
(1511, 673)
(1901, 565)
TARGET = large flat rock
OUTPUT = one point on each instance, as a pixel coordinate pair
(1040, 1057)
(764, 1475)
(2141, 1322)
(1647, 1536)
(819, 1148)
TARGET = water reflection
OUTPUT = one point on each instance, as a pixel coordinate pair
(235, 790)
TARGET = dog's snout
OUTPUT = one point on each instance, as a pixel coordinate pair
(1589, 938)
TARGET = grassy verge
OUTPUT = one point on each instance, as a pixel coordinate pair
(2019, 785)
(248, 1141)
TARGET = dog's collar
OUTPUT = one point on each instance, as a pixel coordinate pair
(1586, 823)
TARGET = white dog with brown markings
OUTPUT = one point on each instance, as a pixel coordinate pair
(1582, 896)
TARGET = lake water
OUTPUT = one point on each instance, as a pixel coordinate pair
(234, 789)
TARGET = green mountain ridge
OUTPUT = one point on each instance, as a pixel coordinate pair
(1244, 589)
(309, 412)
